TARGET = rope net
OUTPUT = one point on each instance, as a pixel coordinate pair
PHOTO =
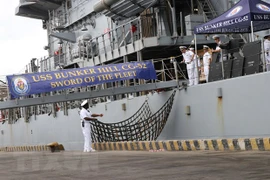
(142, 126)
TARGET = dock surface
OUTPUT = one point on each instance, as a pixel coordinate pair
(131, 165)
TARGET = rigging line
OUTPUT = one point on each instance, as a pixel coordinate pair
(181, 71)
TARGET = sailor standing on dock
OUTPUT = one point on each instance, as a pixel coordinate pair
(267, 51)
(188, 57)
(87, 116)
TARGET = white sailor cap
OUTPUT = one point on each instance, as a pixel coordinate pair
(266, 36)
(192, 49)
(183, 47)
(205, 47)
(84, 103)
(216, 36)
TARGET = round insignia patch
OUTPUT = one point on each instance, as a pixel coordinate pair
(21, 86)
(263, 7)
(235, 11)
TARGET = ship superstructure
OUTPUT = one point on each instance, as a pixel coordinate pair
(92, 32)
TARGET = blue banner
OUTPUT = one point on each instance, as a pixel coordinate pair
(35, 83)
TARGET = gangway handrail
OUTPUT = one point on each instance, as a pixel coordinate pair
(86, 95)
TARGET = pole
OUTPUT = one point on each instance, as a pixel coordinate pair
(175, 34)
(263, 56)
(222, 65)
(196, 61)
(181, 23)
(192, 6)
(9, 111)
(252, 31)
(175, 70)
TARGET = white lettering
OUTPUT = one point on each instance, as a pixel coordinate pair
(214, 27)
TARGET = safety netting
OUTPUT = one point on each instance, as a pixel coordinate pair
(142, 126)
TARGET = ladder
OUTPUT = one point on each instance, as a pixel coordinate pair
(206, 8)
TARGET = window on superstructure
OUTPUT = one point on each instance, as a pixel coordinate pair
(69, 5)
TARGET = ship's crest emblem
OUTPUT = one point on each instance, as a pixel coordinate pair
(235, 11)
(263, 7)
(21, 85)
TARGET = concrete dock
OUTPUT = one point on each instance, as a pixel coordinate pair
(129, 165)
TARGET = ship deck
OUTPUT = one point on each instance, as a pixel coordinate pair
(136, 165)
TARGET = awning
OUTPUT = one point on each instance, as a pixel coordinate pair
(241, 18)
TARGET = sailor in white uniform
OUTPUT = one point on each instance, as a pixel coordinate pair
(87, 116)
(196, 66)
(206, 61)
(188, 57)
(267, 51)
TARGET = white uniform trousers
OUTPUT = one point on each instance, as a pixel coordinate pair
(267, 61)
(206, 72)
(87, 137)
(196, 76)
(191, 70)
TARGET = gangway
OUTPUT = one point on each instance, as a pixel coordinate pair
(87, 95)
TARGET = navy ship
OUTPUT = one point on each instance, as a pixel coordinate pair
(96, 33)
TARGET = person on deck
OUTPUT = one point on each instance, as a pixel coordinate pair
(219, 50)
(196, 67)
(267, 51)
(188, 57)
(206, 61)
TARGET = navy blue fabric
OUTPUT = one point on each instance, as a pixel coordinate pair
(238, 19)
(35, 83)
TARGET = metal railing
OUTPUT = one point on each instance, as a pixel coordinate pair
(111, 40)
